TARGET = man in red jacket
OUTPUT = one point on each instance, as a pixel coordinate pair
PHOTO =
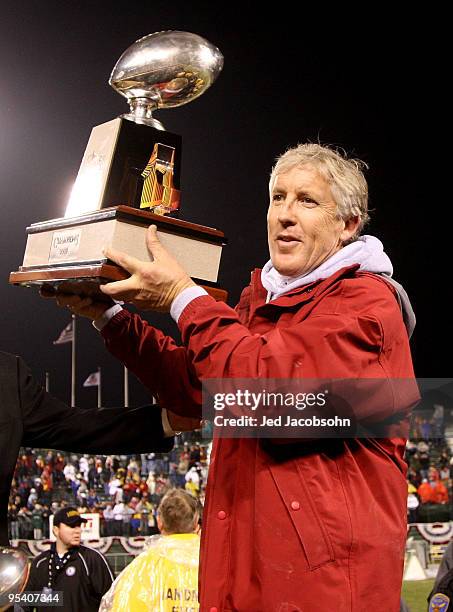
(290, 524)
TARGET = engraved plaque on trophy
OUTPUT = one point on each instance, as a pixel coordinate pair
(129, 178)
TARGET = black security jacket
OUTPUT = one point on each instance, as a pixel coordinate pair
(83, 579)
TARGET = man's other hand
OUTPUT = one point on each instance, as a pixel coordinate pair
(84, 306)
(182, 423)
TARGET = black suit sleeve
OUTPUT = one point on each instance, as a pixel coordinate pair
(50, 423)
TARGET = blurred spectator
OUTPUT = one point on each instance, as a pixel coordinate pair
(69, 472)
(94, 474)
(424, 492)
(426, 429)
(148, 463)
(31, 501)
(13, 522)
(115, 489)
(135, 516)
(127, 514)
(412, 504)
(106, 477)
(194, 456)
(151, 483)
(25, 525)
(438, 422)
(118, 511)
(133, 468)
(92, 499)
(440, 493)
(37, 522)
(82, 490)
(142, 486)
(84, 467)
(423, 457)
(193, 481)
(444, 474)
(129, 489)
(108, 517)
(146, 508)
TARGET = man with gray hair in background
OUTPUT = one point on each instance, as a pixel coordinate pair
(289, 524)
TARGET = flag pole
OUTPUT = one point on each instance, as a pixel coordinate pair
(126, 387)
(99, 388)
(73, 362)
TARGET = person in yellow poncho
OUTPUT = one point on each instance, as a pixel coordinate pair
(164, 578)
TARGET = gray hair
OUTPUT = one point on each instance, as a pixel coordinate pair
(345, 177)
(178, 510)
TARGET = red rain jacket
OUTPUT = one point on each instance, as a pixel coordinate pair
(311, 526)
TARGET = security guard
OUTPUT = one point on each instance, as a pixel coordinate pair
(441, 596)
(82, 574)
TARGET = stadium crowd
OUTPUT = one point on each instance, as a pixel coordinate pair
(124, 490)
(430, 468)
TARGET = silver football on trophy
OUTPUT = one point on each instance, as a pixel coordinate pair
(14, 568)
(163, 70)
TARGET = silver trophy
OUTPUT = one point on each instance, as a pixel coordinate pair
(14, 568)
(163, 70)
(128, 164)
(129, 178)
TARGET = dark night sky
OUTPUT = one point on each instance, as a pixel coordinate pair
(284, 81)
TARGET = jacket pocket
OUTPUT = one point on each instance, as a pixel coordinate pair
(301, 509)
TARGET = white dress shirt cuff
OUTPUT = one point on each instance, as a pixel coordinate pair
(183, 299)
(106, 316)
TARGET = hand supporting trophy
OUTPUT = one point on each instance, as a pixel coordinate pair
(129, 179)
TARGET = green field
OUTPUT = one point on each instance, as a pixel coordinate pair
(415, 593)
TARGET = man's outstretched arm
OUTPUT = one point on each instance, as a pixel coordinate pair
(50, 423)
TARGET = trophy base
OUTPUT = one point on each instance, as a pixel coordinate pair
(67, 254)
(86, 279)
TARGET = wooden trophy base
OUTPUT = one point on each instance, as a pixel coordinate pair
(66, 254)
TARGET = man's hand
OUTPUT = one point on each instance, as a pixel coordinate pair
(152, 285)
(83, 306)
(182, 423)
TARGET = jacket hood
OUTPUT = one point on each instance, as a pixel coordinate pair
(367, 251)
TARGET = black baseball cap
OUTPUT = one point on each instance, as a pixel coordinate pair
(68, 516)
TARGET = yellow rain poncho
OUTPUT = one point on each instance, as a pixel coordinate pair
(163, 578)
